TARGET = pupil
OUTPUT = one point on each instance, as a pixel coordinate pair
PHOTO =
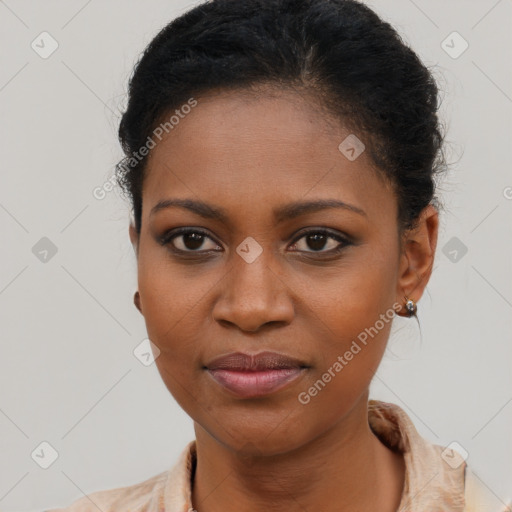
(193, 240)
(318, 241)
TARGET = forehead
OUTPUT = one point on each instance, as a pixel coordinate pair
(251, 151)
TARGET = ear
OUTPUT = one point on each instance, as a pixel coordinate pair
(134, 238)
(417, 255)
(136, 301)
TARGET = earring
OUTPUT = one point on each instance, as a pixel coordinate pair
(410, 307)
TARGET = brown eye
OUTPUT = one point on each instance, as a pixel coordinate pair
(317, 241)
(190, 240)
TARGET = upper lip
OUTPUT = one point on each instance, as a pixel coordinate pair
(239, 361)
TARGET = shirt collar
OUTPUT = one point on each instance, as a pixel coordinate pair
(434, 476)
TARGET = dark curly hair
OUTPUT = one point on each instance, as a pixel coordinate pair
(337, 52)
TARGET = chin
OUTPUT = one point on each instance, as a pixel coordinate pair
(255, 437)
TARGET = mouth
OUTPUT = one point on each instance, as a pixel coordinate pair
(257, 375)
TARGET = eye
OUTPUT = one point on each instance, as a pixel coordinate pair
(194, 240)
(317, 240)
(189, 240)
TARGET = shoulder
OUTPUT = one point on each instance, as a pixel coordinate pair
(437, 477)
(169, 490)
(479, 498)
(140, 496)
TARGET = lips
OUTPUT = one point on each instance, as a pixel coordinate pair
(238, 361)
(250, 376)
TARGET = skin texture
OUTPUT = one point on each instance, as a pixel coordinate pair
(249, 156)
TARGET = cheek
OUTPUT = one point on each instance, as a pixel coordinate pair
(352, 298)
(355, 314)
(173, 303)
(169, 295)
(348, 364)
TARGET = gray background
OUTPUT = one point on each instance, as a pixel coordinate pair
(68, 375)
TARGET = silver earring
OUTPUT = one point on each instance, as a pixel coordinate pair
(410, 307)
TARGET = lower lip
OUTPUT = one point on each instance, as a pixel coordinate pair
(255, 383)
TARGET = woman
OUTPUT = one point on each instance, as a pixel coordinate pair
(281, 158)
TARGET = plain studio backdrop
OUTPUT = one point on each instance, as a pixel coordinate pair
(74, 393)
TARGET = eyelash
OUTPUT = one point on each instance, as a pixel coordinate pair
(169, 236)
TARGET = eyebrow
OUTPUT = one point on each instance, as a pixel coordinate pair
(289, 211)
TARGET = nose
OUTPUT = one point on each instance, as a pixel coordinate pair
(252, 296)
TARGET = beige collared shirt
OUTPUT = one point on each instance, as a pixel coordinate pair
(437, 479)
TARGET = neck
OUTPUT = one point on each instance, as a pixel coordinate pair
(346, 468)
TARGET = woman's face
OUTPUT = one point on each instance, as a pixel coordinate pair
(261, 273)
